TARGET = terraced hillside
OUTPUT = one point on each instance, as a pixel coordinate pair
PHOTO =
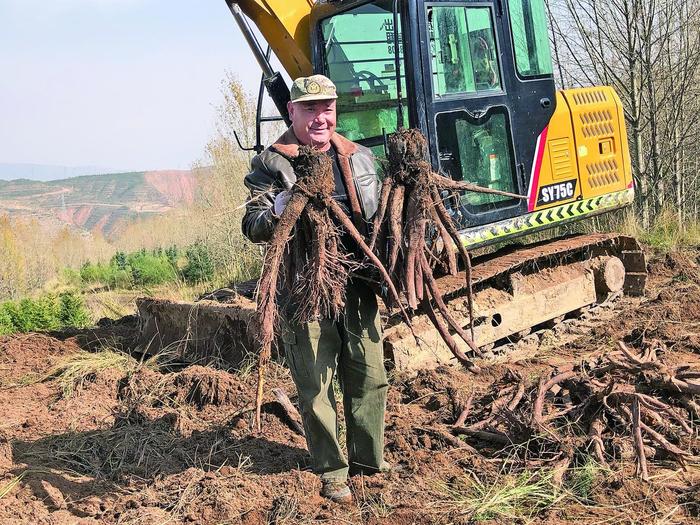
(98, 203)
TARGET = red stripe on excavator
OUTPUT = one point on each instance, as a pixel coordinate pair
(536, 167)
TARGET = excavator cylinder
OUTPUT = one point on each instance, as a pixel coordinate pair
(274, 83)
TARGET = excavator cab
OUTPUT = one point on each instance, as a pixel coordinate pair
(474, 77)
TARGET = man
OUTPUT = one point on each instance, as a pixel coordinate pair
(351, 345)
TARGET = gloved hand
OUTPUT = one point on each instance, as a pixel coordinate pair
(281, 200)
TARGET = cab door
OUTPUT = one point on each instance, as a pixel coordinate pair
(483, 119)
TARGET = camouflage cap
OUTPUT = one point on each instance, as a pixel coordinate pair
(315, 87)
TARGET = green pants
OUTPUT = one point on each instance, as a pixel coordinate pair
(352, 346)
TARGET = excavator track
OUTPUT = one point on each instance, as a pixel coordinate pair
(514, 290)
(520, 288)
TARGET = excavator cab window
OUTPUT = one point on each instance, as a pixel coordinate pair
(463, 50)
(528, 22)
(359, 57)
(478, 151)
(465, 67)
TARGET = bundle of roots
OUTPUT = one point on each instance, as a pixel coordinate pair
(306, 256)
(415, 236)
(622, 404)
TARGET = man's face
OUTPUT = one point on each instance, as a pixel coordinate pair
(313, 122)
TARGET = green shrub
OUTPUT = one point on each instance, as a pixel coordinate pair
(72, 312)
(121, 279)
(149, 269)
(95, 273)
(119, 261)
(6, 324)
(173, 254)
(45, 313)
(14, 313)
(199, 267)
(40, 314)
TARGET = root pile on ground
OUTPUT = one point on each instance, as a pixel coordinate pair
(306, 247)
(624, 404)
(416, 237)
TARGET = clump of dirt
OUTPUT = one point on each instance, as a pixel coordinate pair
(207, 386)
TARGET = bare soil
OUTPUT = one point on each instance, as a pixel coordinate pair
(178, 445)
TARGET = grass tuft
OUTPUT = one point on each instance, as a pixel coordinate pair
(511, 497)
(375, 506)
(82, 367)
(584, 479)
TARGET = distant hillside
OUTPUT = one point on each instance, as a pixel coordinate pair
(98, 203)
(11, 171)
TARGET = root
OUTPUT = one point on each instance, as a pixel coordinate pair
(432, 287)
(412, 189)
(384, 197)
(395, 227)
(456, 185)
(449, 340)
(290, 411)
(357, 237)
(642, 470)
(591, 410)
(320, 290)
(267, 290)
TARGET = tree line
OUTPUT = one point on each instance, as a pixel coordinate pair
(649, 51)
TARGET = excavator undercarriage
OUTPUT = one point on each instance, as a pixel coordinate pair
(514, 290)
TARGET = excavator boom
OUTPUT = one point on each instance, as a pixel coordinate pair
(285, 26)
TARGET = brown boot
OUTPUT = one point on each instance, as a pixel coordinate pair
(337, 491)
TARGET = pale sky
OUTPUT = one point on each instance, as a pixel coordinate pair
(120, 84)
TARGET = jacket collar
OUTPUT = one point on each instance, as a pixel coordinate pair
(288, 144)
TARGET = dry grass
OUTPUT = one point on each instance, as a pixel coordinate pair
(508, 497)
(284, 511)
(667, 233)
(7, 488)
(106, 454)
(75, 371)
(374, 506)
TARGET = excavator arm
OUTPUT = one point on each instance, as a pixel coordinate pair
(285, 26)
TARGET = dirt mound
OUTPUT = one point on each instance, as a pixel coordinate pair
(32, 354)
(679, 265)
(196, 385)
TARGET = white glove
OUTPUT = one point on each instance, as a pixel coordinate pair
(281, 200)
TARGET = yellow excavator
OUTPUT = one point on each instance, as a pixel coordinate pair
(476, 78)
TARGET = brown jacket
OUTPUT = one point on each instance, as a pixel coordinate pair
(272, 173)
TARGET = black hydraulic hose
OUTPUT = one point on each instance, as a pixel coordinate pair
(274, 83)
(397, 65)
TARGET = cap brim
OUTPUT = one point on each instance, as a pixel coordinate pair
(309, 98)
